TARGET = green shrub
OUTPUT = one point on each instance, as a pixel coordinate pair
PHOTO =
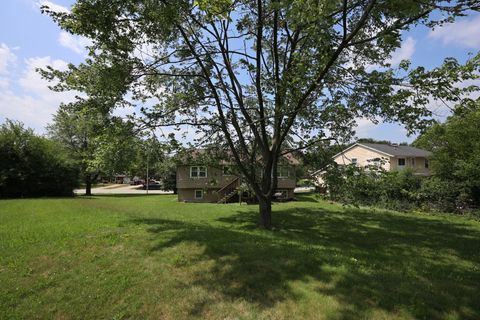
(398, 190)
(33, 166)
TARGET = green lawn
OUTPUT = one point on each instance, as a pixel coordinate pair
(151, 257)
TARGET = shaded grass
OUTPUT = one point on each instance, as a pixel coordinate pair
(152, 257)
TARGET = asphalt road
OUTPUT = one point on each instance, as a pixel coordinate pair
(121, 189)
(128, 189)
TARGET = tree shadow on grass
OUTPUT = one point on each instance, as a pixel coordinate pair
(383, 262)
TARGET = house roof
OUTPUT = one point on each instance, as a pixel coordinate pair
(197, 154)
(392, 150)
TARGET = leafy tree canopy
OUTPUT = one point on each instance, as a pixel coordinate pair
(33, 166)
(250, 75)
(97, 141)
(456, 149)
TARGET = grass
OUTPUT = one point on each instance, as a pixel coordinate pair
(150, 257)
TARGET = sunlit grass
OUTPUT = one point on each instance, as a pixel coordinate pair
(137, 257)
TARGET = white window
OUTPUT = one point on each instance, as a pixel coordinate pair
(282, 172)
(354, 161)
(198, 172)
(199, 194)
(401, 162)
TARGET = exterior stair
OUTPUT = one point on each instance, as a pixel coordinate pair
(228, 191)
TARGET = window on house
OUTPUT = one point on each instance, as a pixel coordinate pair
(199, 194)
(282, 172)
(198, 172)
(426, 163)
(413, 162)
(401, 162)
(354, 161)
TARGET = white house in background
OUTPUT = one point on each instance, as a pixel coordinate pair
(389, 157)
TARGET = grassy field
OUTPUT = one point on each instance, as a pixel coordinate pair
(151, 257)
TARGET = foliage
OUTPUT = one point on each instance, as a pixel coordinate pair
(151, 257)
(320, 156)
(442, 195)
(248, 75)
(370, 140)
(456, 154)
(33, 166)
(398, 190)
(95, 140)
(155, 155)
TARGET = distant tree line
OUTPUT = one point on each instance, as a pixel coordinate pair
(82, 144)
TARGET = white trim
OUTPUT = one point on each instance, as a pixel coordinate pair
(195, 194)
(357, 144)
(198, 172)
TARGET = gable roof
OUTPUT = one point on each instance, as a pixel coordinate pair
(391, 150)
(198, 154)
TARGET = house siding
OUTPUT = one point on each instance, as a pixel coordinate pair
(362, 155)
(215, 180)
(188, 195)
(418, 166)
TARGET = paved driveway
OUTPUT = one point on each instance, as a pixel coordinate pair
(121, 189)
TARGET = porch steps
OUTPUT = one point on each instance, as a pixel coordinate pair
(227, 197)
(229, 190)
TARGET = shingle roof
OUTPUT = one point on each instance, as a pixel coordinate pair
(193, 154)
(397, 150)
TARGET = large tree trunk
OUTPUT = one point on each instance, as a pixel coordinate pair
(265, 205)
(88, 185)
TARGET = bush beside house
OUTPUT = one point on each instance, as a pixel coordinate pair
(396, 190)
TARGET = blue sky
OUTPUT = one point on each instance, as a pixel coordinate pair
(29, 40)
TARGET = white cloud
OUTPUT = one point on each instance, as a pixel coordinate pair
(364, 127)
(31, 101)
(405, 52)
(31, 81)
(4, 83)
(53, 6)
(463, 32)
(7, 58)
(75, 43)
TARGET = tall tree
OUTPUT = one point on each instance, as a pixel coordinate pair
(250, 73)
(455, 145)
(97, 141)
